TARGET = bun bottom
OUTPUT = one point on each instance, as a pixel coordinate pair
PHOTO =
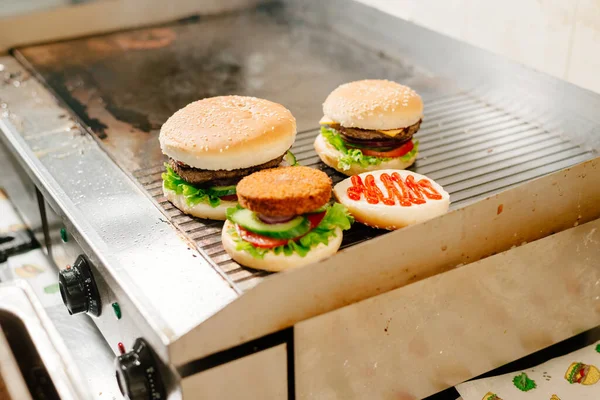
(391, 217)
(279, 262)
(330, 156)
(200, 210)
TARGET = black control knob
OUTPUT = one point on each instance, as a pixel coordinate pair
(138, 373)
(78, 288)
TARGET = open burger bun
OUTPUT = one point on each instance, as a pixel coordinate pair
(391, 216)
(330, 156)
(374, 104)
(279, 262)
(200, 210)
(228, 132)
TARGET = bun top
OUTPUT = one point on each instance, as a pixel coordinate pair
(228, 132)
(374, 104)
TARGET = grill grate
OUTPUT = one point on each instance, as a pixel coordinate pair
(470, 147)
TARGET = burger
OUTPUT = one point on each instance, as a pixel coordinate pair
(213, 143)
(582, 373)
(369, 125)
(284, 219)
(491, 396)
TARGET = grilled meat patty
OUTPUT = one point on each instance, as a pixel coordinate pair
(197, 176)
(366, 134)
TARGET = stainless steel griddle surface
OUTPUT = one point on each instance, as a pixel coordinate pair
(123, 86)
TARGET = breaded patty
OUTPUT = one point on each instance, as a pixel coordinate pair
(284, 191)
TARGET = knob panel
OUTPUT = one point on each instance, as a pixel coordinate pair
(78, 288)
(138, 373)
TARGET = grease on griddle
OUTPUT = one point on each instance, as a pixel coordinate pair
(63, 88)
(80, 109)
(67, 82)
(134, 118)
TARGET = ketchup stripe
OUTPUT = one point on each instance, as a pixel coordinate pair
(415, 190)
(392, 191)
(373, 193)
(404, 200)
(407, 193)
(428, 190)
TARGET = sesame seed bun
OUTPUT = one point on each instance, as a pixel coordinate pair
(374, 104)
(228, 132)
(284, 191)
(200, 210)
(394, 216)
(279, 262)
(330, 156)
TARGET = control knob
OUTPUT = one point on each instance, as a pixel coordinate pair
(138, 375)
(78, 288)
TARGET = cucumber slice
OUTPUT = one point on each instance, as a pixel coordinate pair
(290, 158)
(221, 191)
(285, 230)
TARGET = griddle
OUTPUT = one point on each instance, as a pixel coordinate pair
(123, 86)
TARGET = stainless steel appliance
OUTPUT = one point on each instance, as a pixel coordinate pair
(390, 316)
(34, 364)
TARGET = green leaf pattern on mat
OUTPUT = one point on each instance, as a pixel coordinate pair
(523, 383)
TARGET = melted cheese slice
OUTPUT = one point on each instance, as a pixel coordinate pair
(390, 132)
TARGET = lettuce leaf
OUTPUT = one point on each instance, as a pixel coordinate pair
(192, 194)
(356, 156)
(336, 216)
(334, 139)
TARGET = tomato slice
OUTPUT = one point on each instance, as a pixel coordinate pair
(260, 241)
(231, 197)
(265, 242)
(315, 219)
(397, 152)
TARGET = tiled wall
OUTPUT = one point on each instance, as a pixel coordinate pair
(559, 37)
